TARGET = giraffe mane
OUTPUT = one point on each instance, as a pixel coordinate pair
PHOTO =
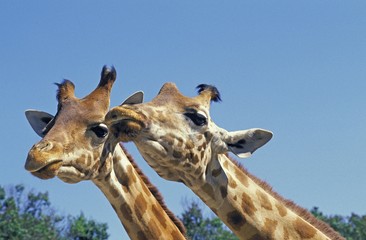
(155, 192)
(305, 214)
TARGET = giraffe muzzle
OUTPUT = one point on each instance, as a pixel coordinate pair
(41, 161)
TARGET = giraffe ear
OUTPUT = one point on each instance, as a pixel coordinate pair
(243, 143)
(137, 97)
(38, 120)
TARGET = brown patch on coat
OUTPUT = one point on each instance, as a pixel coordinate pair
(177, 154)
(189, 145)
(114, 192)
(140, 206)
(157, 213)
(264, 200)
(132, 176)
(124, 180)
(226, 164)
(195, 159)
(154, 228)
(243, 179)
(281, 210)
(126, 211)
(247, 205)
(269, 227)
(81, 160)
(236, 220)
(304, 229)
(232, 183)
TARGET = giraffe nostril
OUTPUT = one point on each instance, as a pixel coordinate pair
(44, 146)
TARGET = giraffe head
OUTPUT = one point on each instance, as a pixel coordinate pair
(74, 141)
(176, 135)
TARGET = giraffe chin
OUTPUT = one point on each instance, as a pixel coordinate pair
(48, 172)
(70, 174)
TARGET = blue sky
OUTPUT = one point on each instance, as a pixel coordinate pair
(296, 68)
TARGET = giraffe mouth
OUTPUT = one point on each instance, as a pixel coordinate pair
(48, 171)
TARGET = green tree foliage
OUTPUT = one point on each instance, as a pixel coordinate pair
(30, 216)
(202, 228)
(351, 227)
(84, 229)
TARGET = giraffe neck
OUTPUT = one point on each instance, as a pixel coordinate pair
(139, 211)
(251, 209)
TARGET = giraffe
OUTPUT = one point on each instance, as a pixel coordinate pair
(177, 137)
(78, 146)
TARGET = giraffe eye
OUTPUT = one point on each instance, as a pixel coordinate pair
(197, 118)
(100, 130)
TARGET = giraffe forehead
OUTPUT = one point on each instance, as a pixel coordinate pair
(170, 93)
(84, 110)
(175, 100)
(73, 119)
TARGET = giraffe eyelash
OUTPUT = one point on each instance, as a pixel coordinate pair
(100, 130)
(197, 118)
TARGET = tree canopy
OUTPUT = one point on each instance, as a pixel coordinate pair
(201, 228)
(351, 227)
(29, 215)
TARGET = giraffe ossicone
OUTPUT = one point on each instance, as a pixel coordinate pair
(77, 145)
(178, 139)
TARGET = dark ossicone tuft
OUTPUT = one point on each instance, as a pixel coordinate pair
(107, 74)
(215, 94)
